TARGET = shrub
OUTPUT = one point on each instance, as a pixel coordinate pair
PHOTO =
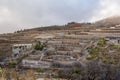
(1, 70)
(104, 60)
(93, 50)
(91, 57)
(116, 46)
(11, 64)
(39, 46)
(40, 70)
(102, 42)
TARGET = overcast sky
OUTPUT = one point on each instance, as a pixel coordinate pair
(22, 14)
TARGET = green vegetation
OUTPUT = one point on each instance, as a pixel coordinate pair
(116, 46)
(91, 57)
(108, 60)
(11, 64)
(39, 46)
(40, 70)
(102, 42)
(76, 70)
(111, 54)
(93, 53)
(1, 70)
(107, 53)
(102, 49)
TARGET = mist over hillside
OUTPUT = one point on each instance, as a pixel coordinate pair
(109, 21)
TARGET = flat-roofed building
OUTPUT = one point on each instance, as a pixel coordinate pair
(20, 48)
(115, 40)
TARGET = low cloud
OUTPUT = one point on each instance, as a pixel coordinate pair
(107, 8)
(22, 14)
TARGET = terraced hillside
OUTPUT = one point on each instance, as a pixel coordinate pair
(29, 36)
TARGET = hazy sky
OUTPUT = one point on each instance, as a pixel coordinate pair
(20, 14)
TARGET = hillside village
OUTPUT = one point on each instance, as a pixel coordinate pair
(52, 49)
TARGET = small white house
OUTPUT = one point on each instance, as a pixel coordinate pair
(19, 48)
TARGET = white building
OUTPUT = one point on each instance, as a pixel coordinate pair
(114, 40)
(20, 48)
